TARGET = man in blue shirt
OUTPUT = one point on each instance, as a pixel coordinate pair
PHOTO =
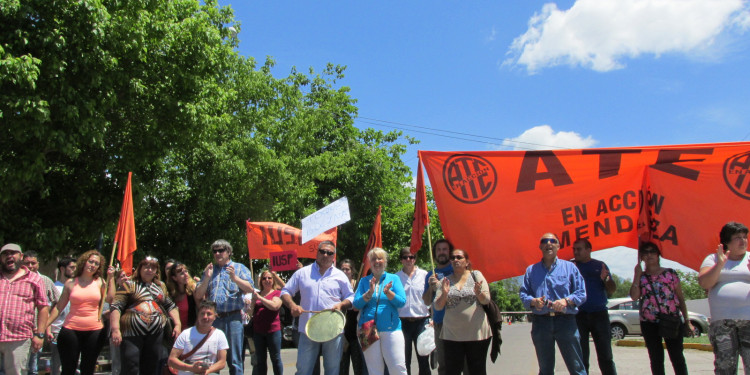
(441, 251)
(224, 282)
(593, 316)
(552, 289)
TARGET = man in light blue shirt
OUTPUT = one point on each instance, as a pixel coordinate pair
(224, 282)
(553, 289)
(321, 287)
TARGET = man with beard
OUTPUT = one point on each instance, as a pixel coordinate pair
(21, 293)
(66, 269)
(321, 287)
(553, 289)
(441, 251)
(593, 316)
(31, 261)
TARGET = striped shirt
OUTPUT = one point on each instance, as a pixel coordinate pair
(19, 300)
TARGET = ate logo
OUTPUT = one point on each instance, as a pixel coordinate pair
(737, 174)
(469, 178)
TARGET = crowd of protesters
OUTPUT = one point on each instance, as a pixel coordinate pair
(197, 324)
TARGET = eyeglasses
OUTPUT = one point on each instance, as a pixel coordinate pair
(405, 257)
(323, 252)
(545, 241)
(456, 257)
(219, 250)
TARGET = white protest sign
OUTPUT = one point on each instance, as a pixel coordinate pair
(328, 217)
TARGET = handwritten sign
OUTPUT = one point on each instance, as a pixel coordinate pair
(328, 217)
(283, 260)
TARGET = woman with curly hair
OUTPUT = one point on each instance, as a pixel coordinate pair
(139, 314)
(82, 334)
(181, 287)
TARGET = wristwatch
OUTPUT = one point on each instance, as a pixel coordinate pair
(40, 335)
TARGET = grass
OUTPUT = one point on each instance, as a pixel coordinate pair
(693, 340)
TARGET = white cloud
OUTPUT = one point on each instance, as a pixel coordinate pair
(544, 138)
(599, 34)
(492, 35)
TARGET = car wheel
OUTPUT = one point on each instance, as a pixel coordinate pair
(696, 329)
(617, 331)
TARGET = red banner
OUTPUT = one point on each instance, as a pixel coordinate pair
(496, 205)
(265, 237)
(283, 261)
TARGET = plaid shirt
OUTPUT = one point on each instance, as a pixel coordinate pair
(18, 302)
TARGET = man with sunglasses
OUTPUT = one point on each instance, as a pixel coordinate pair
(414, 313)
(321, 287)
(553, 289)
(224, 282)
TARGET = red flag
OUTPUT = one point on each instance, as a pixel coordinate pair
(375, 240)
(421, 215)
(267, 237)
(125, 236)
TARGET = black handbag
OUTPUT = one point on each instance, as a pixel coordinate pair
(495, 319)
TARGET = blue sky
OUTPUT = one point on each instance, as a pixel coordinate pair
(524, 74)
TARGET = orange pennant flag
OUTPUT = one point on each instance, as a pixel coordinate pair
(421, 215)
(125, 236)
(375, 240)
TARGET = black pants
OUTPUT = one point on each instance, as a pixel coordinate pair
(86, 344)
(596, 324)
(141, 354)
(473, 353)
(651, 336)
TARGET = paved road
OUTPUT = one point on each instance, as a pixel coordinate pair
(518, 358)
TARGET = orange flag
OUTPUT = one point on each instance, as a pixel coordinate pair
(375, 240)
(267, 237)
(421, 215)
(125, 236)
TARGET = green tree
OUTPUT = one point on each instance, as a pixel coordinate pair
(90, 90)
(690, 287)
(623, 287)
(505, 294)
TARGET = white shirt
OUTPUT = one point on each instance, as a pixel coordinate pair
(190, 337)
(728, 298)
(414, 288)
(57, 324)
(318, 292)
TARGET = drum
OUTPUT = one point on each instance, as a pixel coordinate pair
(325, 325)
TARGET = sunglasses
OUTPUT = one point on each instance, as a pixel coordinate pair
(405, 257)
(545, 241)
(323, 252)
(152, 259)
(650, 251)
(456, 257)
(221, 250)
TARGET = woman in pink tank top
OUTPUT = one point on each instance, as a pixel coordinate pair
(82, 333)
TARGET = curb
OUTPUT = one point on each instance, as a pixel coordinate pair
(687, 345)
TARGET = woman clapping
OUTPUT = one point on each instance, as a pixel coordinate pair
(466, 331)
(378, 298)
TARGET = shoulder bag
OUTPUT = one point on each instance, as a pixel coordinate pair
(495, 319)
(368, 333)
(670, 326)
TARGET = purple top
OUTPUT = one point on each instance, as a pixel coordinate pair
(266, 320)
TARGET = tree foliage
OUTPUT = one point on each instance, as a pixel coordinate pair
(90, 90)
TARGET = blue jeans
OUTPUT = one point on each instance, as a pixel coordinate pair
(271, 343)
(560, 329)
(412, 328)
(232, 327)
(33, 362)
(307, 355)
(597, 324)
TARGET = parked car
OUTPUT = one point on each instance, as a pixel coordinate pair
(625, 320)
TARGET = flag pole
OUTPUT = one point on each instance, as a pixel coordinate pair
(429, 242)
(105, 286)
